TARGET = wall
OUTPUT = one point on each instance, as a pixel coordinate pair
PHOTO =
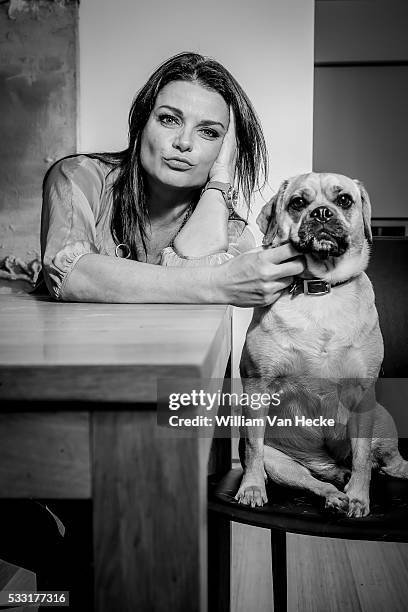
(361, 88)
(361, 30)
(361, 130)
(38, 111)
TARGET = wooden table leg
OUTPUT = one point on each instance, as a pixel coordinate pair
(219, 528)
(150, 548)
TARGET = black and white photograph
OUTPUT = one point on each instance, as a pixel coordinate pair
(203, 305)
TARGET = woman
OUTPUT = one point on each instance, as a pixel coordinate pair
(108, 219)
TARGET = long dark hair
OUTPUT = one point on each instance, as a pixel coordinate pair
(129, 187)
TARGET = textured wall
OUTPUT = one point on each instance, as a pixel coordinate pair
(37, 111)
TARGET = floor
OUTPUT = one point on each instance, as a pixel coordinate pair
(324, 575)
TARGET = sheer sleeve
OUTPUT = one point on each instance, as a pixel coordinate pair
(71, 200)
(240, 240)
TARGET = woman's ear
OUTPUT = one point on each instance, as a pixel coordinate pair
(366, 209)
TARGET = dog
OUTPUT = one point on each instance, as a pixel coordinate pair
(319, 346)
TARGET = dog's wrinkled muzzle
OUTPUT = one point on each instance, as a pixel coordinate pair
(323, 236)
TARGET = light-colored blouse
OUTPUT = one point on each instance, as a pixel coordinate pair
(76, 217)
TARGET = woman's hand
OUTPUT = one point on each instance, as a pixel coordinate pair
(223, 169)
(206, 231)
(258, 277)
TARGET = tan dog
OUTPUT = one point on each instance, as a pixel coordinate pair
(321, 353)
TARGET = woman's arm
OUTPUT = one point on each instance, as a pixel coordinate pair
(73, 268)
(255, 278)
(206, 232)
(100, 278)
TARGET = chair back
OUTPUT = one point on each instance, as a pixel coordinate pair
(388, 271)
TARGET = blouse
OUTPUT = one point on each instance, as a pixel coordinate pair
(76, 217)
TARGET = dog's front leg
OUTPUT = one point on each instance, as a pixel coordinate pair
(252, 491)
(361, 429)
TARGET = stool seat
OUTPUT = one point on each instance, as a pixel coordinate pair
(297, 511)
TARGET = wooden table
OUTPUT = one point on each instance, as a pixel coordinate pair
(78, 390)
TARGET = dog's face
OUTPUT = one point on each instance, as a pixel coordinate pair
(323, 215)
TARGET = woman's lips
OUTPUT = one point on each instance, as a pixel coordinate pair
(178, 164)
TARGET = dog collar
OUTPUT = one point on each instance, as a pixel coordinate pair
(313, 286)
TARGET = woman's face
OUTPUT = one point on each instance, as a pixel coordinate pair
(183, 135)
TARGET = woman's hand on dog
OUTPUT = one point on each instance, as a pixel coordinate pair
(258, 277)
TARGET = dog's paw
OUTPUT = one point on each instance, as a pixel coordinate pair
(358, 508)
(252, 492)
(336, 501)
(358, 495)
(252, 496)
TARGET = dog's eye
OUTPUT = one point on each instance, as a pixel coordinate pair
(344, 200)
(297, 203)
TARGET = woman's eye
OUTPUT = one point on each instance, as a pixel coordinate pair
(344, 200)
(209, 133)
(168, 120)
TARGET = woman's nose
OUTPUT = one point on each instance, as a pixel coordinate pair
(183, 140)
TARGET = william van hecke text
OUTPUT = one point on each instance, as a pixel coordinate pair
(273, 421)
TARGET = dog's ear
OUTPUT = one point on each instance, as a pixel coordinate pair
(267, 215)
(366, 204)
(267, 219)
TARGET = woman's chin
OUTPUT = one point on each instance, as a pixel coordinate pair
(181, 181)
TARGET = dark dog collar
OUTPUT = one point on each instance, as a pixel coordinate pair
(313, 286)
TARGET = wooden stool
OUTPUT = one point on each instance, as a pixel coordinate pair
(295, 511)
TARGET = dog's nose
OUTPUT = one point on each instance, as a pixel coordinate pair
(321, 213)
